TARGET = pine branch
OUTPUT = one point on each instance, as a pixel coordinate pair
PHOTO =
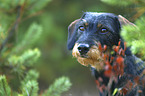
(59, 86)
(4, 88)
(31, 75)
(34, 30)
(30, 89)
(135, 37)
(32, 15)
(13, 29)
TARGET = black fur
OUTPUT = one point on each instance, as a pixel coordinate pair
(91, 33)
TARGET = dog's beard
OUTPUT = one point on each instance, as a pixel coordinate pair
(93, 57)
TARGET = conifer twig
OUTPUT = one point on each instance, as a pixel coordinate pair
(13, 29)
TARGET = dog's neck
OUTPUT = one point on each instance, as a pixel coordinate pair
(133, 64)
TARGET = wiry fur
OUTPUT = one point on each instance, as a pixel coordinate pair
(94, 57)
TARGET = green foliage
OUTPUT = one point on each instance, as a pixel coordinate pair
(35, 3)
(30, 89)
(60, 85)
(4, 87)
(31, 75)
(135, 36)
(118, 2)
(18, 51)
(6, 4)
(27, 58)
(30, 86)
(123, 2)
(32, 36)
(3, 35)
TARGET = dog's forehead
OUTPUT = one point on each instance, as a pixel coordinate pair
(96, 17)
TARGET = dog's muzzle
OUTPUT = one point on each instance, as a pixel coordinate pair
(87, 55)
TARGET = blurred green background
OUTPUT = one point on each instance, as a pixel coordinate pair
(55, 60)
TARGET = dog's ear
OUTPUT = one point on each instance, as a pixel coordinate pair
(124, 21)
(72, 34)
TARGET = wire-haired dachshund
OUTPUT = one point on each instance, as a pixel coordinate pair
(93, 31)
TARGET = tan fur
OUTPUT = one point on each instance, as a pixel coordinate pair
(94, 57)
(124, 21)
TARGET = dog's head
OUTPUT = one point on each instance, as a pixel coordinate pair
(85, 33)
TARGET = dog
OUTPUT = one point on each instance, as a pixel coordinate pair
(93, 32)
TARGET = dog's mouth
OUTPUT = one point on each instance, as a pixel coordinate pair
(92, 57)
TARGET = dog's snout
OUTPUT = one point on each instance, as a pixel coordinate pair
(83, 48)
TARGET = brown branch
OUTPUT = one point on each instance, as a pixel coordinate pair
(140, 11)
(32, 15)
(13, 29)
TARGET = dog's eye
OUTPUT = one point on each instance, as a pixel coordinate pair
(82, 28)
(104, 30)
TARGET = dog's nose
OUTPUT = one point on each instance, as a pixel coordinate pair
(83, 48)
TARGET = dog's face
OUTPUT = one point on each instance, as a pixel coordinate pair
(85, 34)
